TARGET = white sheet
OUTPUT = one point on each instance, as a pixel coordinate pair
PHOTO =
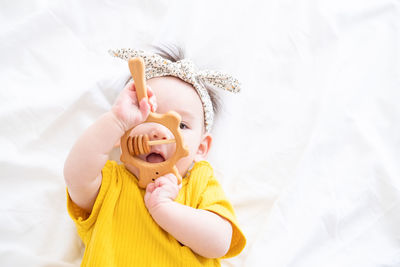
(308, 153)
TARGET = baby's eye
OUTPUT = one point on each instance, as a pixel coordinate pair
(183, 126)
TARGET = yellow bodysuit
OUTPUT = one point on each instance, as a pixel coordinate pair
(121, 232)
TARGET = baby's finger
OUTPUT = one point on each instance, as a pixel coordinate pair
(150, 91)
(161, 181)
(165, 180)
(152, 99)
(144, 108)
(131, 86)
(150, 188)
(172, 178)
(168, 189)
(157, 182)
(153, 103)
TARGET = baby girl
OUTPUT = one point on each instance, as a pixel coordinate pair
(168, 223)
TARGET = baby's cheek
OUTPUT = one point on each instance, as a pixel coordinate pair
(192, 144)
(183, 165)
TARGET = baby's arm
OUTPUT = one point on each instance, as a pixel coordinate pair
(205, 232)
(82, 168)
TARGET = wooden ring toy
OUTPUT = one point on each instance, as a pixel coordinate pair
(133, 146)
(143, 143)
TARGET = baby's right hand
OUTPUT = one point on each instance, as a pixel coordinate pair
(127, 109)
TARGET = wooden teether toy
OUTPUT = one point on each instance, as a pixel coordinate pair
(140, 144)
(133, 146)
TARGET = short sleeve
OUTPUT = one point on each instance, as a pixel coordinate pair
(82, 219)
(213, 199)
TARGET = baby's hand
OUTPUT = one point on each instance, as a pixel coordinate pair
(128, 111)
(163, 190)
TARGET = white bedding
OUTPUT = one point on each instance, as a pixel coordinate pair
(308, 153)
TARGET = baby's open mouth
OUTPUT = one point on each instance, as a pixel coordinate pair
(155, 158)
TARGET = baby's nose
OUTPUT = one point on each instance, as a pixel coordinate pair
(159, 133)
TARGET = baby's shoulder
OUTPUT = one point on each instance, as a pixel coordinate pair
(199, 175)
(201, 168)
(117, 172)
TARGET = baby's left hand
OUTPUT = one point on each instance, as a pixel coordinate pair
(163, 190)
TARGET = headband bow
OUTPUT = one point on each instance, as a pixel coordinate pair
(157, 66)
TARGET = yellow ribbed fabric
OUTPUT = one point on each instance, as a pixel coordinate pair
(121, 232)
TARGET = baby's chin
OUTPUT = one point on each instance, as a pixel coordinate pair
(132, 169)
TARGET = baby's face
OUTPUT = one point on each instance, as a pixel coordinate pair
(173, 94)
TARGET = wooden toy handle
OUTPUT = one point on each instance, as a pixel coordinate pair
(136, 66)
(161, 142)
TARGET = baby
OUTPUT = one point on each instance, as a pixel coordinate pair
(166, 224)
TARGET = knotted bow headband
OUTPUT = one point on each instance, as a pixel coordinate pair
(157, 66)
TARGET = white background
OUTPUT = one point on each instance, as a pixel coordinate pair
(308, 153)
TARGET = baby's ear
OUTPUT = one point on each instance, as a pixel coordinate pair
(204, 147)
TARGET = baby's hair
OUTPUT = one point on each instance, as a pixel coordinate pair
(175, 53)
